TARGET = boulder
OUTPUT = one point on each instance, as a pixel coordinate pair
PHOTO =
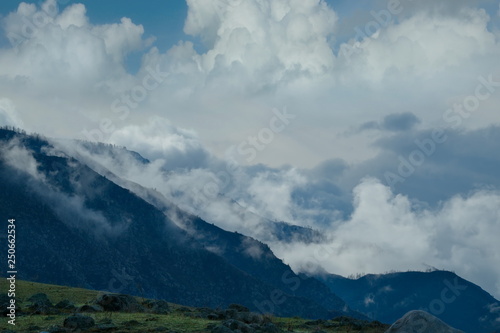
(40, 304)
(4, 303)
(269, 328)
(156, 307)
(90, 308)
(420, 322)
(237, 325)
(238, 307)
(250, 318)
(119, 302)
(40, 299)
(221, 329)
(79, 322)
(57, 329)
(65, 305)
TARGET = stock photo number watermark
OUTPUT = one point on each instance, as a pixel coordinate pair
(11, 270)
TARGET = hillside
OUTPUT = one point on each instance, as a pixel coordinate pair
(64, 302)
(78, 228)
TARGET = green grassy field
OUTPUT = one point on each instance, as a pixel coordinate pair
(180, 319)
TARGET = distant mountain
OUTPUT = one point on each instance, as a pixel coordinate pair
(258, 260)
(447, 296)
(119, 158)
(77, 227)
(287, 233)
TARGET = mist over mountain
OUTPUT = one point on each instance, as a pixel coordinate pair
(82, 224)
(78, 228)
(264, 142)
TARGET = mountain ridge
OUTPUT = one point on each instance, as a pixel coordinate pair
(61, 195)
(387, 297)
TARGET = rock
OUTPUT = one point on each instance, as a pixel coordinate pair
(420, 322)
(40, 298)
(40, 304)
(233, 325)
(156, 307)
(106, 327)
(119, 302)
(376, 324)
(65, 305)
(4, 303)
(318, 322)
(78, 322)
(238, 307)
(90, 308)
(250, 317)
(131, 323)
(57, 329)
(221, 329)
(237, 325)
(230, 314)
(183, 309)
(269, 328)
(214, 316)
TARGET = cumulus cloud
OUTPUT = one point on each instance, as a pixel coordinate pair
(158, 138)
(51, 45)
(257, 55)
(64, 74)
(387, 232)
(373, 229)
(60, 64)
(415, 45)
(279, 38)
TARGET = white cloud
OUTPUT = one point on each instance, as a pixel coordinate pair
(423, 45)
(71, 208)
(158, 138)
(263, 38)
(65, 73)
(61, 71)
(8, 114)
(50, 45)
(259, 55)
(19, 158)
(270, 194)
(386, 232)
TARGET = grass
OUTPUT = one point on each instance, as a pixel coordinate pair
(25, 289)
(146, 322)
(177, 321)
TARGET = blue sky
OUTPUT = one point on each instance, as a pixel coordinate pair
(163, 20)
(341, 115)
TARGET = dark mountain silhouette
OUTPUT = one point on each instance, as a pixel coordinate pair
(388, 297)
(78, 224)
(75, 227)
(257, 259)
